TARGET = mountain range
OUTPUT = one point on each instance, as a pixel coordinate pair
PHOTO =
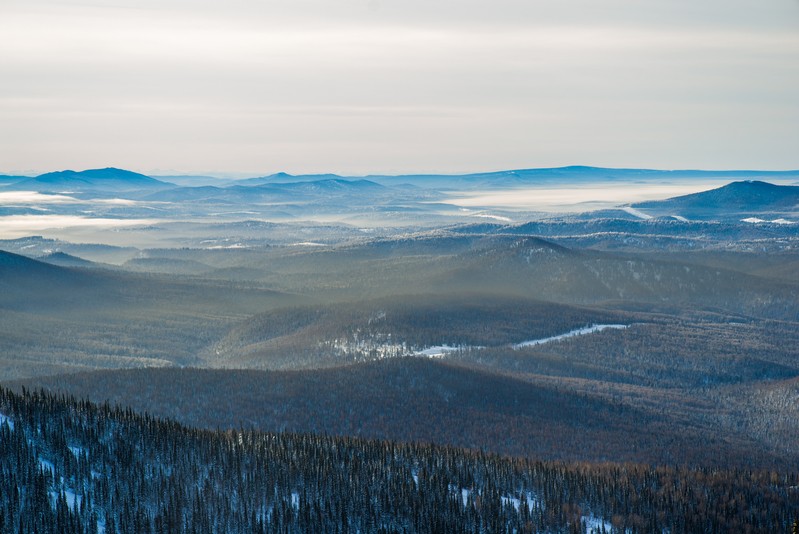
(120, 179)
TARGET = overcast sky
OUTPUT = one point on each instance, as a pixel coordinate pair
(397, 86)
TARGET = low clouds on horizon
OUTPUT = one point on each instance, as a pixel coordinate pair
(391, 87)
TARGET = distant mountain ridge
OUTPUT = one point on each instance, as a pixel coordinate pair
(530, 176)
(109, 178)
(120, 179)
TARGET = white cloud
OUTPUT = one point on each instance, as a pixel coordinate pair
(15, 226)
(18, 198)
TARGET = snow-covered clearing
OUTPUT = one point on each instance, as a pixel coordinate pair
(579, 332)
(375, 349)
(517, 503)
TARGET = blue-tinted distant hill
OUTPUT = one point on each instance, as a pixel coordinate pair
(318, 190)
(283, 177)
(113, 179)
(6, 179)
(193, 180)
(109, 179)
(326, 185)
(575, 174)
(744, 195)
(737, 199)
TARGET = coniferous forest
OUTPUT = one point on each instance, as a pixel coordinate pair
(72, 466)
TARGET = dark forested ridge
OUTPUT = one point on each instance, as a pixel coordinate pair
(441, 402)
(69, 466)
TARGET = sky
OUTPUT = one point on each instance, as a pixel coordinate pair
(252, 87)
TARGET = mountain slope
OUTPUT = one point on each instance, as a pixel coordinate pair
(332, 335)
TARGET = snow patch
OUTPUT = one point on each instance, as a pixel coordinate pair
(73, 499)
(636, 213)
(595, 525)
(516, 502)
(45, 465)
(436, 352)
(234, 246)
(4, 419)
(578, 332)
(490, 216)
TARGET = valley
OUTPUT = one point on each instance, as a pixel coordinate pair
(598, 335)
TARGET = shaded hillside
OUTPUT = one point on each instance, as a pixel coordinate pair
(334, 334)
(58, 319)
(421, 400)
(27, 284)
(509, 265)
(531, 266)
(37, 246)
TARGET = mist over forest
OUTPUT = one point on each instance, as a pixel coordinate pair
(530, 350)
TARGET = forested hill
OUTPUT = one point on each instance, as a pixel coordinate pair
(68, 466)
